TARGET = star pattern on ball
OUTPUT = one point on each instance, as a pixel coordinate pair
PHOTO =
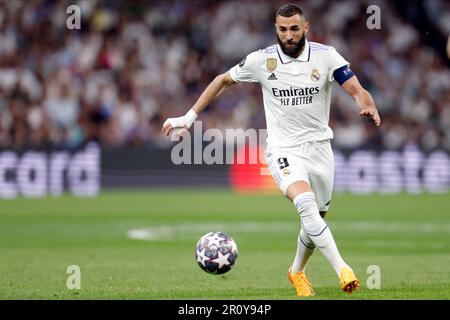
(222, 260)
(216, 252)
(201, 258)
(215, 241)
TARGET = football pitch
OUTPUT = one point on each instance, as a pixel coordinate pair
(140, 245)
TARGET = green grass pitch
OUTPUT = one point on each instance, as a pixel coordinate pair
(407, 236)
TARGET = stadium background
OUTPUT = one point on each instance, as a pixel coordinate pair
(81, 113)
(131, 65)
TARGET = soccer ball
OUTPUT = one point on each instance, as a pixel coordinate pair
(216, 252)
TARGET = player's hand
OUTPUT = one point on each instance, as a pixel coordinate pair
(371, 113)
(181, 125)
(174, 123)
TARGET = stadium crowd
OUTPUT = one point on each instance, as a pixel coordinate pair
(132, 64)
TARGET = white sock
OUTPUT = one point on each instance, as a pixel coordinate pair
(317, 230)
(305, 248)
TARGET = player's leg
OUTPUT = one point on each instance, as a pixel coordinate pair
(321, 176)
(285, 169)
(289, 173)
(305, 246)
(319, 233)
(305, 249)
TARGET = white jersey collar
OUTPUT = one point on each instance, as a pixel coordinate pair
(303, 57)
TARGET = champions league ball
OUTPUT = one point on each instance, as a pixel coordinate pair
(216, 252)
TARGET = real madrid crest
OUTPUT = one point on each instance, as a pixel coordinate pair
(271, 64)
(315, 75)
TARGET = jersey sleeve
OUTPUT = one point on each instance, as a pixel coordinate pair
(246, 70)
(335, 61)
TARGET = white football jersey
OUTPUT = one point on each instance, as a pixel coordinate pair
(296, 91)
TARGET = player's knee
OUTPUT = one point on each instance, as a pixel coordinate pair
(304, 202)
(296, 189)
(307, 208)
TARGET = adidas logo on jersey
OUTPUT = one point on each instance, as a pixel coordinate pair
(272, 77)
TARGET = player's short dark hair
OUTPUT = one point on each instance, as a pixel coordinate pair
(289, 10)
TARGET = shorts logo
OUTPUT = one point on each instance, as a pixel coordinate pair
(271, 64)
(315, 75)
(286, 172)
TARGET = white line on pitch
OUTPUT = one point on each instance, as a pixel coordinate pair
(175, 231)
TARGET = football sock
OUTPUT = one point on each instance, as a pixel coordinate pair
(317, 230)
(305, 248)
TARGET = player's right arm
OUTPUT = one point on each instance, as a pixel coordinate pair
(212, 92)
(245, 71)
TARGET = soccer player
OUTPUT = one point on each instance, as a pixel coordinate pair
(296, 77)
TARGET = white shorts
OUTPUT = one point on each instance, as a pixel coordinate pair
(312, 162)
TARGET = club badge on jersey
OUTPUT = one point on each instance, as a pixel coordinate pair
(315, 75)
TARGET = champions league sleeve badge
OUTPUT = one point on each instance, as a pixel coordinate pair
(271, 64)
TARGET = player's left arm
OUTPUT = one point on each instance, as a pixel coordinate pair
(362, 98)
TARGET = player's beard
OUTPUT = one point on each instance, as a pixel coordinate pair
(294, 51)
